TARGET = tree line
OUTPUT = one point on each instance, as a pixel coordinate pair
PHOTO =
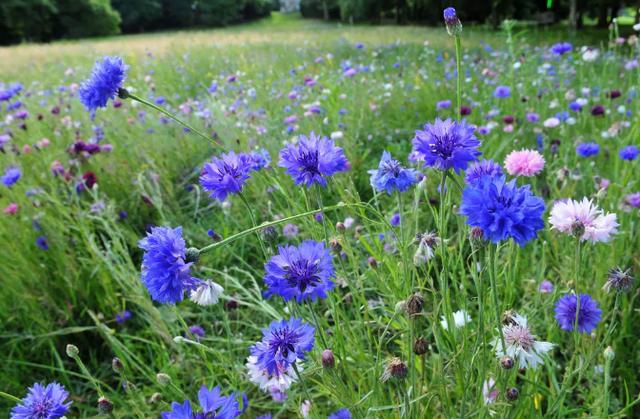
(47, 20)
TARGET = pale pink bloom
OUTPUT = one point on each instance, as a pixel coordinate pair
(551, 122)
(44, 143)
(570, 216)
(26, 149)
(524, 163)
(11, 209)
(489, 391)
(305, 408)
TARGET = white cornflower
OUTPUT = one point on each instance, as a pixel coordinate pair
(521, 344)
(460, 318)
(207, 293)
(270, 382)
(583, 219)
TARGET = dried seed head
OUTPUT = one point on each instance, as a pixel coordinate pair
(335, 245)
(420, 346)
(414, 304)
(163, 379)
(396, 369)
(104, 405)
(618, 280)
(117, 365)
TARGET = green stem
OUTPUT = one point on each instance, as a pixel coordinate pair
(273, 223)
(576, 270)
(170, 115)
(254, 225)
(304, 386)
(10, 397)
(459, 78)
(494, 292)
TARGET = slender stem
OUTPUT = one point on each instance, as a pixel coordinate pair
(494, 291)
(443, 277)
(273, 223)
(576, 270)
(254, 224)
(317, 325)
(459, 75)
(304, 386)
(172, 116)
(9, 397)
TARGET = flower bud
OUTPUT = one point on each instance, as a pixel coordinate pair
(340, 227)
(508, 318)
(372, 262)
(507, 362)
(335, 245)
(451, 21)
(609, 354)
(117, 365)
(192, 255)
(420, 346)
(414, 304)
(72, 351)
(269, 234)
(155, 398)
(512, 394)
(123, 93)
(104, 405)
(163, 379)
(328, 360)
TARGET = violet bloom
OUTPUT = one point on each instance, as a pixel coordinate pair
(284, 343)
(587, 317)
(561, 48)
(11, 176)
(105, 82)
(226, 174)
(391, 176)
(502, 92)
(42, 403)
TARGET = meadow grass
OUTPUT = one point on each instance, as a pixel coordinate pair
(72, 292)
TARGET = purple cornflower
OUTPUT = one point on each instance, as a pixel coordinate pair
(629, 152)
(502, 92)
(197, 331)
(106, 79)
(633, 200)
(479, 169)
(546, 287)
(340, 414)
(11, 176)
(213, 405)
(226, 174)
(395, 219)
(312, 160)
(587, 149)
(503, 210)
(123, 316)
(42, 243)
(588, 317)
(42, 403)
(561, 48)
(447, 144)
(290, 230)
(260, 159)
(443, 104)
(302, 272)
(165, 271)
(391, 176)
(283, 343)
(452, 22)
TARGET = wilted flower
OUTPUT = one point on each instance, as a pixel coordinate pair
(395, 368)
(207, 293)
(618, 280)
(427, 242)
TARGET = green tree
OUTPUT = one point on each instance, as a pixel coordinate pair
(138, 15)
(26, 20)
(82, 18)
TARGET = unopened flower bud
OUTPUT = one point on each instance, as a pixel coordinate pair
(104, 405)
(414, 304)
(372, 262)
(512, 394)
(340, 227)
(476, 235)
(420, 346)
(123, 93)
(507, 362)
(508, 318)
(609, 354)
(72, 351)
(155, 398)
(328, 360)
(117, 365)
(451, 21)
(163, 379)
(192, 255)
(335, 245)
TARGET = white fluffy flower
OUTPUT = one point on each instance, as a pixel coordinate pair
(460, 318)
(207, 293)
(590, 55)
(570, 216)
(270, 382)
(521, 344)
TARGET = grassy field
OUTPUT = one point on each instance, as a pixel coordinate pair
(258, 86)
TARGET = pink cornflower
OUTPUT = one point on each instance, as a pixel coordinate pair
(11, 209)
(583, 219)
(524, 163)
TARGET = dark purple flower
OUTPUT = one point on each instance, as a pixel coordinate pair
(597, 110)
(42, 243)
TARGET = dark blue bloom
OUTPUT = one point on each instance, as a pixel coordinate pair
(629, 152)
(446, 145)
(340, 414)
(391, 176)
(575, 106)
(42, 243)
(123, 316)
(503, 210)
(502, 92)
(452, 22)
(312, 160)
(165, 272)
(197, 331)
(11, 176)
(561, 48)
(226, 174)
(106, 79)
(42, 403)
(587, 149)
(213, 405)
(302, 272)
(260, 159)
(395, 220)
(477, 170)
(566, 312)
(283, 343)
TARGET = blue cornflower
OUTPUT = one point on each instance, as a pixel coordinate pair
(42, 403)
(477, 170)
(283, 343)
(502, 92)
(340, 414)
(443, 104)
(226, 174)
(11, 176)
(588, 317)
(561, 48)
(260, 159)
(587, 149)
(312, 160)
(629, 152)
(106, 80)
(395, 220)
(575, 106)
(213, 405)
(42, 243)
(446, 144)
(302, 272)
(452, 22)
(165, 271)
(123, 316)
(391, 176)
(503, 210)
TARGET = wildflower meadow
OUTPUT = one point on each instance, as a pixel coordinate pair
(298, 219)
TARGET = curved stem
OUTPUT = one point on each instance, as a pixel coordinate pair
(459, 78)
(253, 223)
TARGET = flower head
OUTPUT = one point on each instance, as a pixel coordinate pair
(451, 21)
(503, 210)
(391, 176)
(446, 144)
(302, 272)
(226, 174)
(524, 163)
(42, 402)
(587, 149)
(629, 152)
(502, 92)
(618, 280)
(283, 343)
(427, 242)
(460, 318)
(275, 383)
(477, 170)
(561, 48)
(165, 272)
(520, 343)
(207, 293)
(11, 176)
(340, 414)
(106, 79)
(632, 200)
(212, 403)
(583, 219)
(588, 317)
(312, 160)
